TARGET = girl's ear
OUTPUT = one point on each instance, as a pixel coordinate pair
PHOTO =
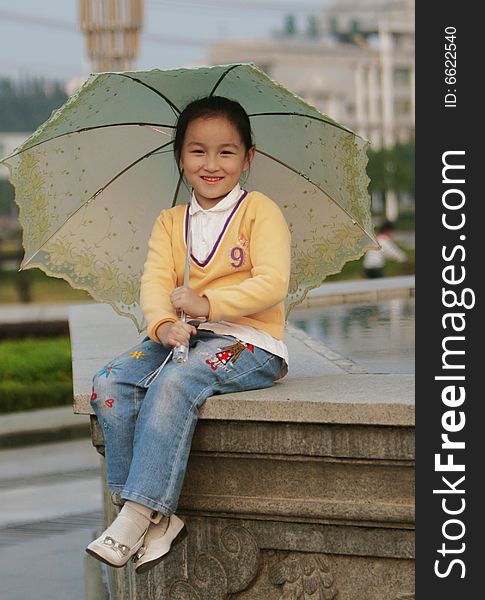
(249, 158)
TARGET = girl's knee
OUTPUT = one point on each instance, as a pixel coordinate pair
(105, 389)
(101, 385)
(109, 375)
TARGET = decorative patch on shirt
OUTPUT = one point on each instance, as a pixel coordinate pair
(109, 402)
(228, 354)
(242, 241)
(108, 369)
(137, 355)
(238, 252)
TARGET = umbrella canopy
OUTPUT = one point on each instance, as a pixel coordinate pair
(91, 181)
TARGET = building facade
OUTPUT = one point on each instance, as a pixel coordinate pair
(357, 65)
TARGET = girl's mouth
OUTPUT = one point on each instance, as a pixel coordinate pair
(211, 180)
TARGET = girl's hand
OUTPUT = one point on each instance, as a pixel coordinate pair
(186, 299)
(175, 334)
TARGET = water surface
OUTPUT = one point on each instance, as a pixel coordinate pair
(378, 336)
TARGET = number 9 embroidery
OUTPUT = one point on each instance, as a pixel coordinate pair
(237, 255)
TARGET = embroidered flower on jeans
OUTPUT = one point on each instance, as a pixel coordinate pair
(108, 369)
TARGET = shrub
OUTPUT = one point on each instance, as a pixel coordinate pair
(35, 373)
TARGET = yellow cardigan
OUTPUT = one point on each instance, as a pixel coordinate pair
(245, 277)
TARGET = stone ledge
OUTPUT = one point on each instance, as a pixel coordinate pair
(360, 442)
(312, 537)
(340, 399)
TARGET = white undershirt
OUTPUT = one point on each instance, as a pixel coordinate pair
(205, 227)
(375, 259)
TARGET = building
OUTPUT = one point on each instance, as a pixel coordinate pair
(355, 62)
(8, 142)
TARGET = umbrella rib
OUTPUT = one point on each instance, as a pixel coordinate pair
(354, 221)
(81, 131)
(295, 114)
(101, 189)
(158, 92)
(221, 78)
(337, 125)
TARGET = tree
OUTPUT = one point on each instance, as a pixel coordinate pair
(392, 169)
(27, 104)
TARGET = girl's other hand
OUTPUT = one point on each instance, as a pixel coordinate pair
(175, 334)
(186, 299)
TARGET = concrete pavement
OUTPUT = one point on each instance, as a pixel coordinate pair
(43, 425)
(51, 505)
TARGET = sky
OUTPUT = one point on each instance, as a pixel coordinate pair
(40, 37)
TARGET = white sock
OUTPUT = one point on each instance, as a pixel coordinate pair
(130, 524)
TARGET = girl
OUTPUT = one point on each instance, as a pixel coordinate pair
(239, 274)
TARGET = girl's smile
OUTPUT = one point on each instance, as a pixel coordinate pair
(213, 158)
(212, 180)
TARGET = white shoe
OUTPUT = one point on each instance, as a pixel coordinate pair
(130, 526)
(108, 550)
(158, 542)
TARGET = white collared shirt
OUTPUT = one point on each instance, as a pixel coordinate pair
(205, 227)
(206, 223)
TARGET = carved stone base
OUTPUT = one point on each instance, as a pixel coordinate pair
(288, 511)
(229, 558)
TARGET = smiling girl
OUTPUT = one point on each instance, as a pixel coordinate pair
(239, 275)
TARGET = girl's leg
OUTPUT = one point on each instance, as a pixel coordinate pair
(118, 391)
(169, 411)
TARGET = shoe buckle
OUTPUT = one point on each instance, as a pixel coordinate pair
(111, 543)
(139, 554)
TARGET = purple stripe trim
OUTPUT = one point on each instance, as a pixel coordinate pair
(218, 241)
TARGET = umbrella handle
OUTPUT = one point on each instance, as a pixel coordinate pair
(181, 353)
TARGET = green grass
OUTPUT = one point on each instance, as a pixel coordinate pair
(35, 373)
(44, 289)
(405, 222)
(355, 269)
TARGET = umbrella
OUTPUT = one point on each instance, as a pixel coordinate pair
(92, 179)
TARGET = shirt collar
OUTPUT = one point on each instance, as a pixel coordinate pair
(226, 203)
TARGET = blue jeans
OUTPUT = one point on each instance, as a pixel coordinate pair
(149, 419)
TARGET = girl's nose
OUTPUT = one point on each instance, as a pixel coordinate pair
(211, 163)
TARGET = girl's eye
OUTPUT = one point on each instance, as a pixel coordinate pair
(227, 152)
(197, 151)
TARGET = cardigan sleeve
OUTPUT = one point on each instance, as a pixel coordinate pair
(270, 251)
(159, 277)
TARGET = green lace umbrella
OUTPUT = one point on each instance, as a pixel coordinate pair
(92, 179)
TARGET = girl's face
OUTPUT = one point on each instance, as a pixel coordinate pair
(213, 158)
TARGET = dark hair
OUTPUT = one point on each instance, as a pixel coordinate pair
(386, 225)
(213, 106)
